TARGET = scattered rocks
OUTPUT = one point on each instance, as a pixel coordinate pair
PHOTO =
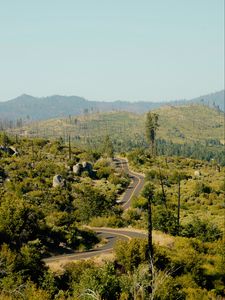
(79, 168)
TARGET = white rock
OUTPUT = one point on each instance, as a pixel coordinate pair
(58, 181)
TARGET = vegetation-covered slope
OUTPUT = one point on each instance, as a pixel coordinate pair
(190, 124)
(196, 125)
(43, 197)
(181, 124)
(38, 217)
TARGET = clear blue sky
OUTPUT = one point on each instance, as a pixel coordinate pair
(111, 49)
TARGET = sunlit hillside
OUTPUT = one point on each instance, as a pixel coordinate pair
(179, 124)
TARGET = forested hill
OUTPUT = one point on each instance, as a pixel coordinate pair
(214, 99)
(33, 108)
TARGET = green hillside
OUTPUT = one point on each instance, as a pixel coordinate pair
(190, 123)
(179, 124)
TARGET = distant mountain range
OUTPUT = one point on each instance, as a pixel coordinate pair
(33, 108)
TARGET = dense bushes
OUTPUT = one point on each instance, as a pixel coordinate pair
(131, 254)
(179, 271)
(200, 188)
(196, 150)
(19, 222)
(202, 229)
(165, 220)
(37, 219)
(91, 202)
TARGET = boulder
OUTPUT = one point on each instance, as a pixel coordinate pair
(197, 173)
(58, 181)
(87, 166)
(84, 167)
(77, 169)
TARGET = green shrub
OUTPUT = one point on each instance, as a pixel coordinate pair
(139, 202)
(164, 220)
(131, 253)
(122, 179)
(201, 229)
(201, 188)
(88, 279)
(152, 174)
(111, 221)
(104, 172)
(131, 215)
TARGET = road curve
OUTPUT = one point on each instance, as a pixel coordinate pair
(136, 185)
(112, 235)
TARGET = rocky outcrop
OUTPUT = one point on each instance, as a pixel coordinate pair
(77, 169)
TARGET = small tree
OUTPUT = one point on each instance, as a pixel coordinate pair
(108, 147)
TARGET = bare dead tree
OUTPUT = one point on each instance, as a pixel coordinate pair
(178, 206)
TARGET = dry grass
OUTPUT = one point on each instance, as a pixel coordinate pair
(58, 266)
(162, 239)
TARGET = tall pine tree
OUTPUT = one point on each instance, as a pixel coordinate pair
(151, 126)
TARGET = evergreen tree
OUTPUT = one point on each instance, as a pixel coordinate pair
(108, 147)
(151, 126)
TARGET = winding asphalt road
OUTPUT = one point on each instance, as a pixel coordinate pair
(109, 234)
(136, 185)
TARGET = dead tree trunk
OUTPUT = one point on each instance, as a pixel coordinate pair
(150, 245)
(178, 207)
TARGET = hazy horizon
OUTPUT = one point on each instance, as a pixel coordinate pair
(107, 51)
(124, 100)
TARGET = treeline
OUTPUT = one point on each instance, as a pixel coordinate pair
(211, 150)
